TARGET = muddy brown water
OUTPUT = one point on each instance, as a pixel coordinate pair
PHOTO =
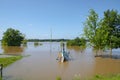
(42, 63)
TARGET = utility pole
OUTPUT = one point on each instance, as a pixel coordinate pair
(51, 34)
(50, 40)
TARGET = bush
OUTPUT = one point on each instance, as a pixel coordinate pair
(12, 37)
(76, 42)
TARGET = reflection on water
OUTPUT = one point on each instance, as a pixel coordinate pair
(42, 64)
(24, 45)
(12, 50)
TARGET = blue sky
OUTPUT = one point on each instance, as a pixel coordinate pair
(36, 18)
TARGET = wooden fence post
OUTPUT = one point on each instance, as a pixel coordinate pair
(1, 69)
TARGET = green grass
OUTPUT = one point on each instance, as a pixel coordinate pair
(97, 77)
(58, 78)
(107, 77)
(9, 60)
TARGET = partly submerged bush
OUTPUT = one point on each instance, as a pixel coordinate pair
(76, 42)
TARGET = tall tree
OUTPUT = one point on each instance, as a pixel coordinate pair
(95, 31)
(111, 21)
(101, 36)
(91, 25)
(12, 37)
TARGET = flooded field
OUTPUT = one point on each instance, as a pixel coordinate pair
(42, 63)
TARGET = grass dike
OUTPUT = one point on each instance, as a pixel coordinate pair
(5, 61)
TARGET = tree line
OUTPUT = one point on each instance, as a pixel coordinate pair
(12, 37)
(47, 40)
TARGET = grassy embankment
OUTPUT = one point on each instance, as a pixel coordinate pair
(9, 60)
(107, 77)
(98, 77)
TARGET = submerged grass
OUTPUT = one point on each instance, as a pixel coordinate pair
(9, 60)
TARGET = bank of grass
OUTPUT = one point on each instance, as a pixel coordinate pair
(58, 78)
(107, 77)
(9, 60)
(98, 77)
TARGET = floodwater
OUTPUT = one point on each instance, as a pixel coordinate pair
(42, 63)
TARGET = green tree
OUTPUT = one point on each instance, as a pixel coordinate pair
(82, 42)
(95, 31)
(91, 25)
(104, 32)
(12, 37)
(111, 21)
(77, 41)
(101, 36)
